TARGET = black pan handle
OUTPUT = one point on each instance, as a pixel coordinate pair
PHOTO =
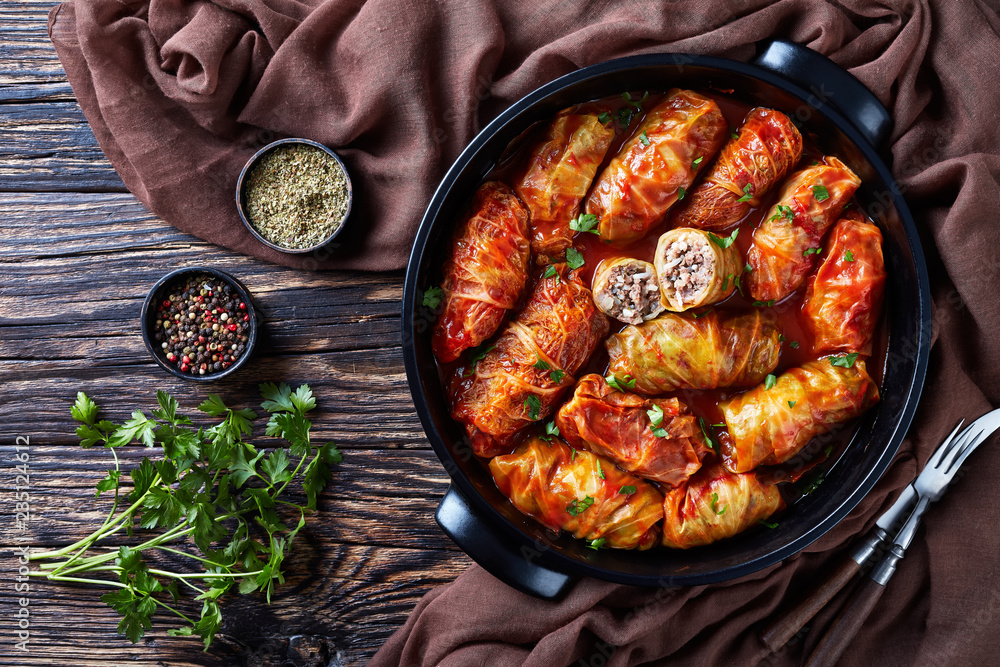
(830, 84)
(473, 532)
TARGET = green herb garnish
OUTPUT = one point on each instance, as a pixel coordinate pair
(848, 256)
(783, 212)
(432, 297)
(655, 415)
(764, 304)
(726, 242)
(767, 524)
(627, 382)
(627, 490)
(600, 470)
(791, 404)
(550, 430)
(585, 222)
(541, 364)
(573, 258)
(747, 194)
(846, 361)
(703, 313)
(596, 544)
(212, 497)
(769, 381)
(643, 139)
(696, 162)
(557, 375)
(793, 344)
(811, 251)
(534, 405)
(478, 354)
(577, 507)
(709, 440)
(681, 193)
(715, 500)
(813, 484)
(551, 271)
(820, 193)
(604, 118)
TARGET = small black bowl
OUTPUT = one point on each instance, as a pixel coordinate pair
(241, 198)
(148, 320)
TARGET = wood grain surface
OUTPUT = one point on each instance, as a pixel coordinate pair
(78, 254)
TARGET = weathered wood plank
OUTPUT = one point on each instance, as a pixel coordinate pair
(349, 596)
(50, 147)
(26, 54)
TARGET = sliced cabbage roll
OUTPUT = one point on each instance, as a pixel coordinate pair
(627, 289)
(695, 268)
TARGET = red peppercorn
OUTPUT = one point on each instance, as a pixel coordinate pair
(166, 304)
(232, 327)
(186, 359)
(243, 306)
(246, 317)
(184, 367)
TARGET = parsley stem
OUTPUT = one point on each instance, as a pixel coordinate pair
(166, 606)
(79, 580)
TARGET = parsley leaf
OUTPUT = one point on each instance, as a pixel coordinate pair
(541, 364)
(621, 384)
(791, 404)
(709, 440)
(747, 193)
(604, 118)
(557, 375)
(848, 256)
(574, 259)
(432, 297)
(696, 162)
(551, 430)
(551, 271)
(577, 507)
(714, 503)
(681, 193)
(655, 415)
(627, 490)
(767, 524)
(533, 405)
(820, 193)
(794, 344)
(846, 361)
(764, 304)
(643, 139)
(811, 251)
(783, 212)
(770, 381)
(478, 354)
(726, 242)
(596, 544)
(585, 222)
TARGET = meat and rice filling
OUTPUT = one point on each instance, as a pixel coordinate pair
(688, 270)
(628, 291)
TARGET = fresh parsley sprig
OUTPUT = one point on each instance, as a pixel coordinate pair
(210, 487)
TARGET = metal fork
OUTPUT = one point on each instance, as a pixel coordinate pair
(930, 485)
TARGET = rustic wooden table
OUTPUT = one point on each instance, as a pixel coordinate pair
(78, 253)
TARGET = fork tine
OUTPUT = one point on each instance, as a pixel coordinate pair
(961, 445)
(944, 447)
(971, 447)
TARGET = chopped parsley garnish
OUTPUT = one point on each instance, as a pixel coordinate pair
(541, 364)
(604, 118)
(781, 338)
(478, 354)
(596, 544)
(848, 256)
(794, 344)
(709, 440)
(696, 162)
(660, 432)
(813, 484)
(725, 282)
(827, 451)
(702, 313)
(621, 384)
(557, 375)
(783, 212)
(643, 139)
(715, 500)
(770, 381)
(791, 404)
(655, 415)
(550, 430)
(624, 116)
(432, 297)
(768, 524)
(846, 361)
(739, 287)
(572, 457)
(726, 242)
(811, 251)
(585, 222)
(638, 105)
(747, 193)
(627, 490)
(551, 271)
(734, 135)
(820, 193)
(681, 192)
(764, 304)
(574, 259)
(533, 405)
(748, 268)
(600, 471)
(577, 507)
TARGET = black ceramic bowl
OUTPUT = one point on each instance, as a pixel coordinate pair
(156, 295)
(847, 121)
(241, 194)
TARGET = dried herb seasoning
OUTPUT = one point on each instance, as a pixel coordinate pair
(297, 196)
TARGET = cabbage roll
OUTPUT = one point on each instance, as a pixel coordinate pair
(520, 379)
(750, 164)
(716, 504)
(627, 290)
(786, 242)
(580, 493)
(677, 138)
(770, 426)
(485, 274)
(561, 167)
(655, 438)
(706, 352)
(844, 299)
(694, 269)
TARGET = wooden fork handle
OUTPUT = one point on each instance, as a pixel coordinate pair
(850, 620)
(785, 626)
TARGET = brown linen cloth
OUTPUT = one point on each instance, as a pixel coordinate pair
(181, 93)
